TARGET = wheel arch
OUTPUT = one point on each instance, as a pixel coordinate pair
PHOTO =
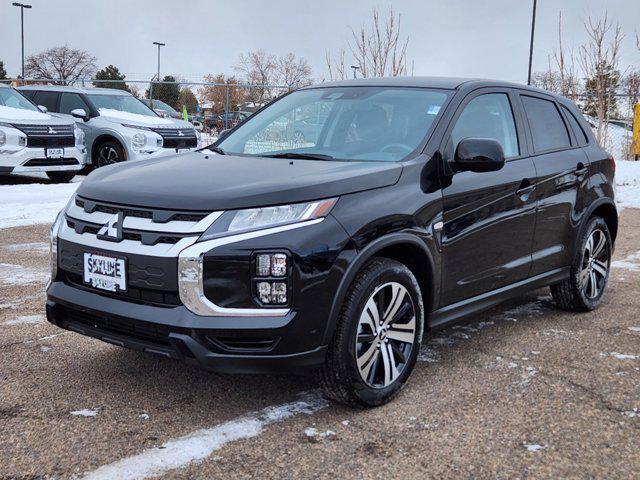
(106, 137)
(608, 212)
(406, 248)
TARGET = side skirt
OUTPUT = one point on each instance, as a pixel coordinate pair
(451, 313)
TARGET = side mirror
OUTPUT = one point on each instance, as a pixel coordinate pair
(43, 109)
(223, 133)
(80, 114)
(479, 155)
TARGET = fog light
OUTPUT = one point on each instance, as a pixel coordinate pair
(264, 292)
(279, 293)
(279, 265)
(263, 265)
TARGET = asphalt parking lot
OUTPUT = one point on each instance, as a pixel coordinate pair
(521, 391)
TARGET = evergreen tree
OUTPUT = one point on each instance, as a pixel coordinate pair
(188, 99)
(166, 92)
(3, 72)
(601, 87)
(111, 73)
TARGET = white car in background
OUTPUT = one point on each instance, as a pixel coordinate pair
(31, 140)
(118, 127)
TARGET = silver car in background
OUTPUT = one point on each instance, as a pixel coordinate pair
(31, 140)
(118, 127)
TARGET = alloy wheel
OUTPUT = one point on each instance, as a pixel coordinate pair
(107, 156)
(386, 334)
(595, 264)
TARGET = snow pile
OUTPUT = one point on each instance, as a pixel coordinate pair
(86, 412)
(628, 184)
(34, 203)
(11, 114)
(618, 142)
(146, 120)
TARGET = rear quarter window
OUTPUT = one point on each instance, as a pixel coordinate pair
(578, 131)
(548, 129)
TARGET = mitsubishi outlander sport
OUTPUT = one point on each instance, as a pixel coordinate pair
(34, 141)
(416, 202)
(116, 124)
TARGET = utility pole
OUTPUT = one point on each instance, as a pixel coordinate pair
(354, 68)
(158, 76)
(22, 7)
(533, 29)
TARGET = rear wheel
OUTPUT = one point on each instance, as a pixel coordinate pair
(584, 289)
(378, 336)
(108, 153)
(61, 177)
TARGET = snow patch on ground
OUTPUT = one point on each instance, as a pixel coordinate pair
(27, 247)
(628, 184)
(200, 444)
(33, 203)
(17, 275)
(312, 433)
(86, 412)
(630, 262)
(634, 329)
(534, 447)
(26, 320)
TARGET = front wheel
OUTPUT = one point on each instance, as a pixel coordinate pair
(584, 288)
(377, 338)
(61, 177)
(108, 153)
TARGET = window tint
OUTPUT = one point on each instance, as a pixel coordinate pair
(47, 99)
(547, 127)
(72, 101)
(488, 116)
(28, 93)
(576, 127)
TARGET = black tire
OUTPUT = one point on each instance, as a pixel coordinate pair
(585, 287)
(341, 377)
(108, 153)
(61, 177)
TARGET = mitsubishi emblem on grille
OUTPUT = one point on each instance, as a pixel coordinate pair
(180, 134)
(112, 230)
(52, 131)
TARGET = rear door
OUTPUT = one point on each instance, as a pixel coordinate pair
(562, 177)
(488, 217)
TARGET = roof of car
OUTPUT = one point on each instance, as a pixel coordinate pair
(447, 83)
(85, 90)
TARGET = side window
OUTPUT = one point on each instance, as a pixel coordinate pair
(487, 116)
(47, 99)
(28, 93)
(71, 101)
(547, 127)
(576, 127)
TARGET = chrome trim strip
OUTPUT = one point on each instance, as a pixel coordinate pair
(89, 240)
(191, 277)
(144, 224)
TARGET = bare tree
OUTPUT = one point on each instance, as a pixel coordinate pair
(378, 48)
(259, 69)
(61, 63)
(547, 80)
(292, 71)
(599, 59)
(217, 94)
(565, 61)
(336, 67)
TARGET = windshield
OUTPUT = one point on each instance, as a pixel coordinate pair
(122, 103)
(10, 98)
(342, 123)
(162, 106)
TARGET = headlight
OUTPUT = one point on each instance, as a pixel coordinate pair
(79, 134)
(138, 140)
(265, 217)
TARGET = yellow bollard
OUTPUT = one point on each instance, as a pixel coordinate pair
(636, 132)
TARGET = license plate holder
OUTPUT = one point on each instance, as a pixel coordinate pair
(105, 271)
(54, 152)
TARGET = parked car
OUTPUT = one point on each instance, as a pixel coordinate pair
(423, 200)
(163, 109)
(227, 120)
(33, 141)
(117, 125)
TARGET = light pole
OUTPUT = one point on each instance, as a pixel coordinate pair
(354, 68)
(22, 7)
(158, 76)
(533, 29)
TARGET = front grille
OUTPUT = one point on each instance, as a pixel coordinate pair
(46, 136)
(51, 162)
(242, 344)
(145, 238)
(145, 296)
(158, 216)
(177, 137)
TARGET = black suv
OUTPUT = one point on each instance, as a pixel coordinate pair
(419, 201)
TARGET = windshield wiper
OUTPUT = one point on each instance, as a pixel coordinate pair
(304, 156)
(215, 149)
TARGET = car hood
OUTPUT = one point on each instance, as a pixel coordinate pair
(147, 121)
(209, 182)
(20, 116)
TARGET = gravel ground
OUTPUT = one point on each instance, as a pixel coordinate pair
(521, 391)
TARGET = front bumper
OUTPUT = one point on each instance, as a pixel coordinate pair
(160, 152)
(35, 160)
(177, 333)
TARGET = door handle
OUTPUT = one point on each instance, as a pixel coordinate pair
(580, 170)
(525, 189)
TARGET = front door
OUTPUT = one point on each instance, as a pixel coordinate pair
(489, 218)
